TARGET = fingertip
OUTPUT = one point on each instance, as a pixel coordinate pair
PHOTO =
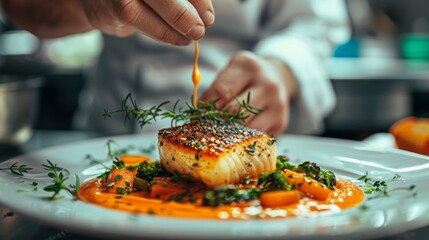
(208, 18)
(196, 32)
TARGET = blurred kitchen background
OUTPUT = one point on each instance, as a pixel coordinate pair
(380, 75)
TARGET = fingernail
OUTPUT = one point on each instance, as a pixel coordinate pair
(196, 32)
(208, 18)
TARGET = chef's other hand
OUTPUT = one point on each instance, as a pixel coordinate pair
(270, 83)
(171, 21)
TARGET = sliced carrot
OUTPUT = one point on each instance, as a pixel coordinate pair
(119, 181)
(134, 159)
(279, 198)
(412, 134)
(310, 187)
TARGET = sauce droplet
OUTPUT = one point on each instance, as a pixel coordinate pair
(196, 75)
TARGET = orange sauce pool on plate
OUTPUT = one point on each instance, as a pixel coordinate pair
(346, 195)
(315, 199)
(196, 75)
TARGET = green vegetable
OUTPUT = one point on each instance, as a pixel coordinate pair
(270, 181)
(148, 171)
(310, 170)
(228, 194)
(141, 184)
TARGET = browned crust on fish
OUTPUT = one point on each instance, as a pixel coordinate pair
(209, 139)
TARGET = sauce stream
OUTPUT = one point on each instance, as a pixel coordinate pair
(196, 75)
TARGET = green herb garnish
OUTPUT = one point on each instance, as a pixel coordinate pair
(380, 188)
(59, 177)
(228, 194)
(251, 149)
(270, 181)
(310, 170)
(203, 112)
(17, 169)
(148, 171)
(120, 190)
(111, 154)
(33, 189)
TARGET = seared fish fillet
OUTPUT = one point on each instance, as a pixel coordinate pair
(216, 154)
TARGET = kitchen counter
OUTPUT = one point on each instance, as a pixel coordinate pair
(15, 226)
(416, 73)
(373, 93)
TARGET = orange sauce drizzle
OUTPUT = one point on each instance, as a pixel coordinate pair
(196, 75)
(311, 201)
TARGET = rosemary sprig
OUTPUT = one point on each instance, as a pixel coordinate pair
(59, 177)
(17, 169)
(380, 188)
(205, 111)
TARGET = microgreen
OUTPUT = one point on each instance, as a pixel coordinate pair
(111, 153)
(33, 189)
(59, 177)
(380, 188)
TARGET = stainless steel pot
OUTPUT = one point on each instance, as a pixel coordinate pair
(19, 99)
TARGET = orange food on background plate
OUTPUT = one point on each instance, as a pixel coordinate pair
(412, 134)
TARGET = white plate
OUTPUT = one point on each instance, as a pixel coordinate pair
(385, 216)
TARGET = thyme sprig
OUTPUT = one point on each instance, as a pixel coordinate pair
(205, 111)
(17, 169)
(380, 188)
(111, 153)
(59, 177)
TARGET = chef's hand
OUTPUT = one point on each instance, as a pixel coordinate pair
(270, 83)
(170, 21)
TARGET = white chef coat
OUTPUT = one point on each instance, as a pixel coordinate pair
(301, 33)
